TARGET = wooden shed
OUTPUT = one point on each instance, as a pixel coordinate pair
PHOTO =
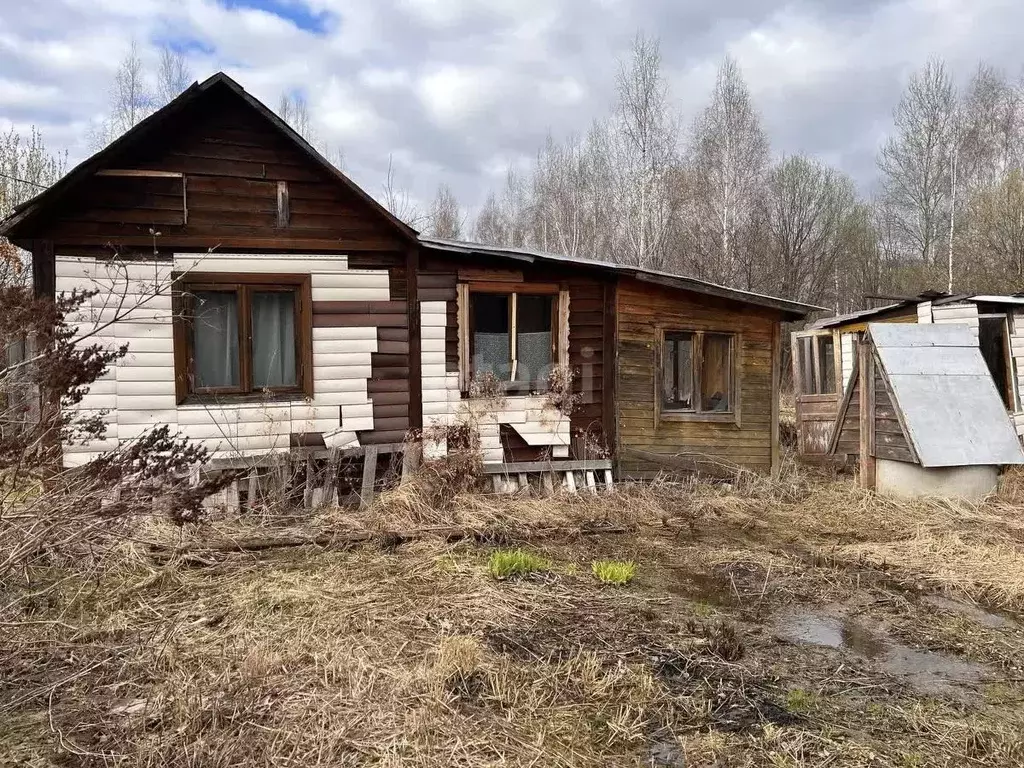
(272, 306)
(923, 415)
(823, 355)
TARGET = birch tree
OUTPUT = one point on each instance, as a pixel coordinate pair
(728, 157)
(917, 162)
(173, 75)
(445, 215)
(27, 167)
(647, 134)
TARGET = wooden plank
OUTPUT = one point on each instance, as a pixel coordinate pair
(139, 173)
(867, 416)
(555, 465)
(591, 481)
(570, 482)
(283, 209)
(360, 307)
(776, 394)
(369, 476)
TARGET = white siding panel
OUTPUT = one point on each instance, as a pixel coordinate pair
(147, 388)
(363, 279)
(129, 331)
(144, 402)
(148, 418)
(135, 309)
(261, 262)
(163, 373)
(198, 414)
(346, 293)
(352, 374)
(346, 334)
(164, 345)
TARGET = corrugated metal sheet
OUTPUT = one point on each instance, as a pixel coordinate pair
(940, 383)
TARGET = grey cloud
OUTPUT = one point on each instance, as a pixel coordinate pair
(830, 104)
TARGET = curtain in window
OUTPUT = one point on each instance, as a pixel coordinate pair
(215, 339)
(491, 345)
(716, 373)
(677, 372)
(533, 339)
(273, 339)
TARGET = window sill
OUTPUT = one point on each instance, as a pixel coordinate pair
(720, 418)
(204, 401)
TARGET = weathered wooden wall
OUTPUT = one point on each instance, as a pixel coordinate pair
(232, 159)
(643, 308)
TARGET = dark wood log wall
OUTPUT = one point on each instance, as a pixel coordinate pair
(589, 336)
(641, 309)
(441, 286)
(232, 160)
(890, 440)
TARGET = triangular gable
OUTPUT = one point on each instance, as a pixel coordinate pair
(944, 395)
(130, 143)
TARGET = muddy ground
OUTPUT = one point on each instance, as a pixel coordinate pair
(803, 624)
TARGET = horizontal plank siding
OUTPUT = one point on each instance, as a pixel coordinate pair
(641, 310)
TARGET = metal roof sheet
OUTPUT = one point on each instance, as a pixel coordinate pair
(952, 410)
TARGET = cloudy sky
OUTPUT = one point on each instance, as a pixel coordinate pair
(455, 90)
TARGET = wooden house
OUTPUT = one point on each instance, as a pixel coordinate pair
(923, 415)
(270, 305)
(823, 355)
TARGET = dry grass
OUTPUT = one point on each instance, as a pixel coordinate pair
(416, 656)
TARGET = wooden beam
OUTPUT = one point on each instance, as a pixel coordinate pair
(609, 367)
(867, 415)
(412, 273)
(776, 394)
(369, 477)
(140, 173)
(283, 208)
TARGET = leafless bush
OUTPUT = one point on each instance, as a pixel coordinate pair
(560, 395)
(50, 513)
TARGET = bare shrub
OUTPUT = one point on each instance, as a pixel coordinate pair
(48, 513)
(560, 395)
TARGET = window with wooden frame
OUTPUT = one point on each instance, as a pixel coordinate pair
(698, 372)
(242, 335)
(513, 333)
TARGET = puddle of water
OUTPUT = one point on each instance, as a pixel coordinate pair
(927, 671)
(974, 612)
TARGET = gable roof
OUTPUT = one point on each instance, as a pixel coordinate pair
(85, 170)
(952, 412)
(791, 310)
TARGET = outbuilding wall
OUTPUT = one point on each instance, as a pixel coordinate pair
(747, 440)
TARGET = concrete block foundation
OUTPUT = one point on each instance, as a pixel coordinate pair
(911, 481)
